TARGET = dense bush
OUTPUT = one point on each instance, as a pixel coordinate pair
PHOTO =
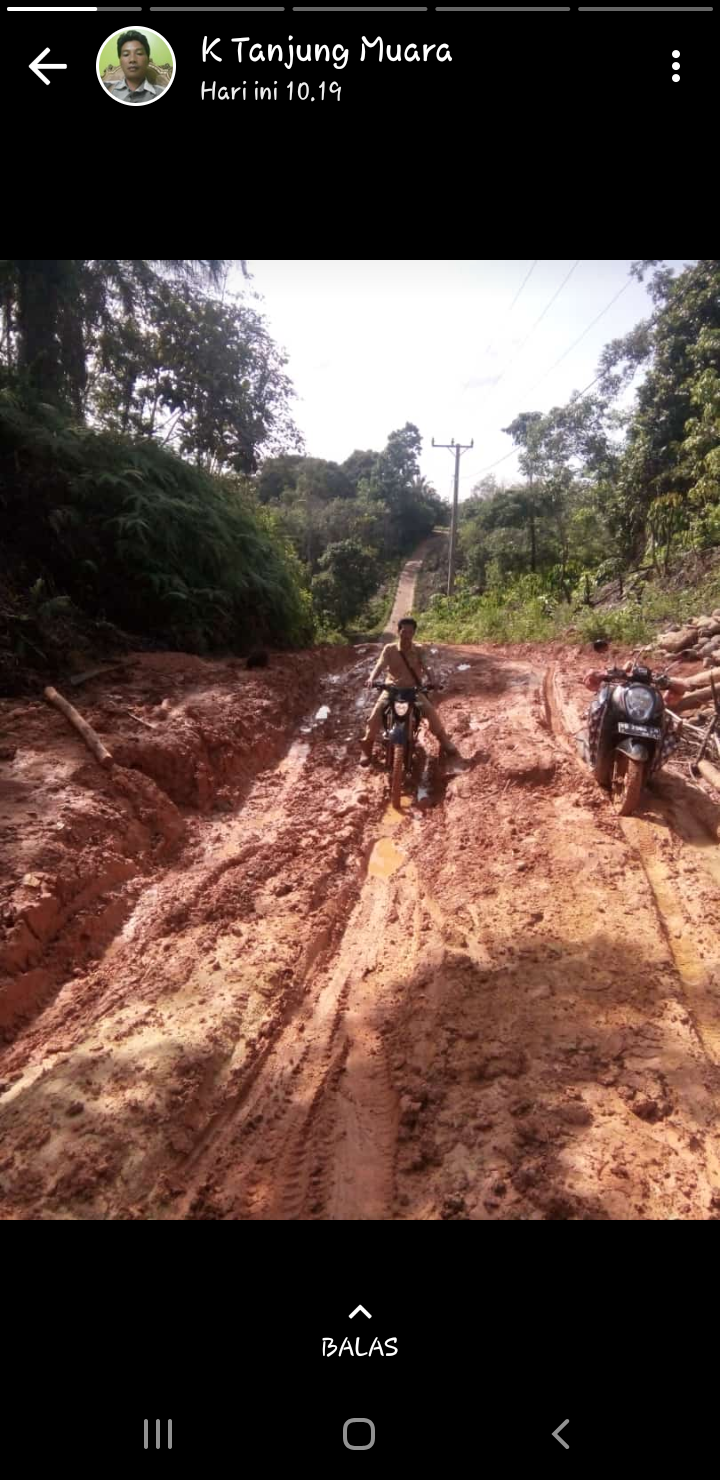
(133, 534)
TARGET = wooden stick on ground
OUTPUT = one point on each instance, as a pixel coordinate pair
(92, 740)
(76, 678)
(140, 719)
(705, 738)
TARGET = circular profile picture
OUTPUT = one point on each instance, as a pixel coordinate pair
(136, 66)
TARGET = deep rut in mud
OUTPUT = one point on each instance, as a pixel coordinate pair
(500, 1004)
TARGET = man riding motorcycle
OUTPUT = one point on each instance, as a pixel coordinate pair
(403, 662)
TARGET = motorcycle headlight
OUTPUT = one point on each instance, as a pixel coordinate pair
(640, 703)
(401, 708)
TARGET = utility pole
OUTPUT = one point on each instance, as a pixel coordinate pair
(457, 448)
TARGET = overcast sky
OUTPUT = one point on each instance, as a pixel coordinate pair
(454, 346)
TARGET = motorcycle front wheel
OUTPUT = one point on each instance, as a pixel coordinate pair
(396, 780)
(602, 770)
(628, 777)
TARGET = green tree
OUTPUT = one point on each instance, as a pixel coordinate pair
(347, 576)
(48, 359)
(323, 480)
(673, 435)
(359, 465)
(413, 507)
(278, 474)
(54, 304)
(201, 374)
(526, 432)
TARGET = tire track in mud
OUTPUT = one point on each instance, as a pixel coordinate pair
(686, 892)
(682, 907)
(332, 1012)
(319, 1111)
(266, 1122)
(197, 1041)
(314, 1131)
(351, 1141)
(337, 1124)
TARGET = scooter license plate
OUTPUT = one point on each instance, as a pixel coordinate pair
(649, 731)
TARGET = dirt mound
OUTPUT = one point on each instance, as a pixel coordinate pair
(79, 842)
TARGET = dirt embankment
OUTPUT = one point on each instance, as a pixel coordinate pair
(244, 988)
(78, 843)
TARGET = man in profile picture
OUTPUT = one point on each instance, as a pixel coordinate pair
(135, 86)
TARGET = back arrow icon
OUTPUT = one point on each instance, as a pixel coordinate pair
(46, 66)
(556, 1433)
(360, 1309)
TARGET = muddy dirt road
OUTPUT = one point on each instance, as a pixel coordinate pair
(405, 594)
(235, 985)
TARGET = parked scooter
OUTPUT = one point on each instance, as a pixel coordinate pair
(631, 734)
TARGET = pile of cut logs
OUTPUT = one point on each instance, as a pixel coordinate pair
(697, 638)
(699, 691)
(700, 710)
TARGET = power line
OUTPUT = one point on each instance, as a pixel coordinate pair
(528, 274)
(504, 458)
(592, 383)
(522, 285)
(575, 342)
(539, 320)
(557, 362)
(528, 336)
(506, 455)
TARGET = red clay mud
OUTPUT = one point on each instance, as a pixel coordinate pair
(235, 985)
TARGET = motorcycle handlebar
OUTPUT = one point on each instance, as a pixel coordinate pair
(660, 682)
(422, 688)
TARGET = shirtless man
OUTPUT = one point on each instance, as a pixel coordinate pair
(403, 663)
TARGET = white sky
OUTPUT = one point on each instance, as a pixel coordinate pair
(373, 344)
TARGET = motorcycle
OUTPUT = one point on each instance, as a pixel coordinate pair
(401, 722)
(631, 734)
